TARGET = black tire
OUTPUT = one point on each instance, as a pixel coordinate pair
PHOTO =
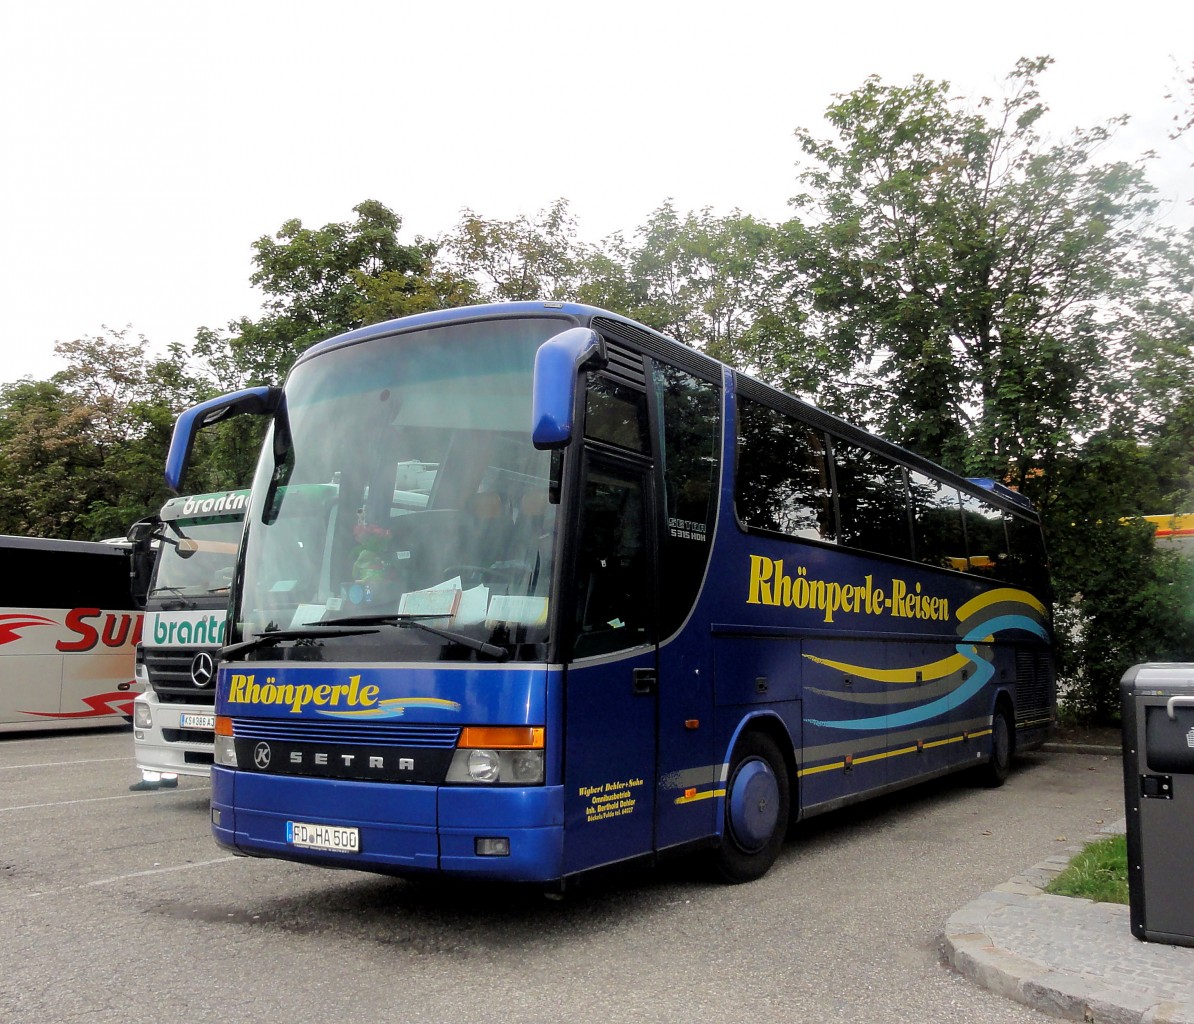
(757, 805)
(999, 766)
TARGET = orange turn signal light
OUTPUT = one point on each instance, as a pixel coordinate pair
(503, 737)
(223, 725)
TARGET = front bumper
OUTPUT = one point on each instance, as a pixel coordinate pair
(404, 829)
(166, 746)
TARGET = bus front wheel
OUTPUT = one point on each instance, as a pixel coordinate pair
(757, 804)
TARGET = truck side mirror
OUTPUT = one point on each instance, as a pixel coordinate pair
(142, 530)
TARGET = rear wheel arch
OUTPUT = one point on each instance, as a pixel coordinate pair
(758, 800)
(1003, 741)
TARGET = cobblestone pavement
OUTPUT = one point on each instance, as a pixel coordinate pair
(1068, 957)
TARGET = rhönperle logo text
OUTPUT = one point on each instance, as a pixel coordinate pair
(771, 586)
(245, 689)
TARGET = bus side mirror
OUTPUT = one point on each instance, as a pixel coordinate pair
(557, 369)
(262, 401)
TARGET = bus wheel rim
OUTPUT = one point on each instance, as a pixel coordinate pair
(754, 805)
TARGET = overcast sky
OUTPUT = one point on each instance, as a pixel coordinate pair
(145, 145)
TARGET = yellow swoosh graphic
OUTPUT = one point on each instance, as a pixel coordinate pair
(927, 673)
(996, 597)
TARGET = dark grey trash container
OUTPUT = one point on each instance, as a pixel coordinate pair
(1158, 736)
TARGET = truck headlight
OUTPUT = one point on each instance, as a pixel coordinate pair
(142, 716)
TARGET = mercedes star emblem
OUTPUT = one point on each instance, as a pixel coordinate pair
(203, 669)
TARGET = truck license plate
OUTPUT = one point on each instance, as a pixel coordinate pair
(187, 720)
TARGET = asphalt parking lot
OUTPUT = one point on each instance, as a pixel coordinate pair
(117, 906)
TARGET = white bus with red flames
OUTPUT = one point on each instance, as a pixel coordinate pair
(69, 626)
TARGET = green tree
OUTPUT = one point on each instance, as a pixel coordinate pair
(974, 267)
(1159, 407)
(318, 282)
(522, 258)
(81, 455)
(44, 449)
(706, 280)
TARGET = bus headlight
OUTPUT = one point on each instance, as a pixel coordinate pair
(142, 716)
(499, 755)
(527, 766)
(225, 745)
(225, 751)
(484, 765)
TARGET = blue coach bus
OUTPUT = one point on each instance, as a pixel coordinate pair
(529, 589)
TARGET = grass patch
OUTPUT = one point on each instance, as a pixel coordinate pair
(1099, 873)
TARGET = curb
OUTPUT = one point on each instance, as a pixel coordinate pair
(1081, 748)
(970, 947)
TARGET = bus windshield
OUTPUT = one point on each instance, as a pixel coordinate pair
(399, 485)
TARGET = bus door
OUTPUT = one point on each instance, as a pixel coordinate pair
(611, 681)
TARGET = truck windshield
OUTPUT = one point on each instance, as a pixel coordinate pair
(400, 482)
(196, 558)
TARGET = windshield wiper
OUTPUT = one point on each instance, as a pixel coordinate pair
(273, 636)
(178, 592)
(416, 622)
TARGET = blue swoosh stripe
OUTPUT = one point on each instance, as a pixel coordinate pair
(922, 713)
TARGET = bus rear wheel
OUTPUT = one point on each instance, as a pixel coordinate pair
(995, 772)
(757, 805)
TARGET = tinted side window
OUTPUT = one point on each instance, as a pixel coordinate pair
(1027, 564)
(782, 479)
(49, 578)
(691, 421)
(872, 501)
(986, 539)
(614, 579)
(616, 414)
(937, 517)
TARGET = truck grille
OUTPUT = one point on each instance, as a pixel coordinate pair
(169, 672)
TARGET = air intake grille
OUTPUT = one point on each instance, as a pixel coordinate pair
(1034, 684)
(625, 366)
(376, 734)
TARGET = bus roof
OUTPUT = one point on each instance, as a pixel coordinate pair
(656, 343)
(90, 547)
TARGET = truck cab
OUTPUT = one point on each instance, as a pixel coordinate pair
(197, 538)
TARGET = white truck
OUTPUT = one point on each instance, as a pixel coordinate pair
(185, 616)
